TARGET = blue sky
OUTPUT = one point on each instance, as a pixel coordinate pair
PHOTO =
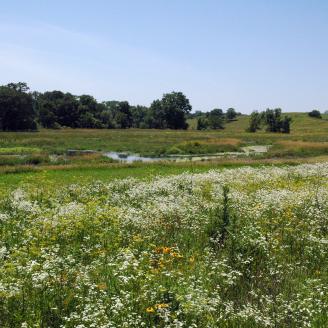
(235, 53)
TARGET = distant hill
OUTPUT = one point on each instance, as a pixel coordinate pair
(301, 123)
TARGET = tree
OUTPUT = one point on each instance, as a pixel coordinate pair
(123, 115)
(272, 118)
(315, 113)
(68, 111)
(139, 114)
(105, 116)
(16, 108)
(89, 112)
(170, 112)
(19, 87)
(176, 106)
(202, 123)
(216, 119)
(285, 124)
(157, 116)
(58, 108)
(254, 122)
(88, 120)
(231, 114)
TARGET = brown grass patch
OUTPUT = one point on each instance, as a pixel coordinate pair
(290, 144)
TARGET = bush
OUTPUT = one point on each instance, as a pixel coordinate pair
(315, 113)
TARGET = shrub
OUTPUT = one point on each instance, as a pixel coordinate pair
(315, 113)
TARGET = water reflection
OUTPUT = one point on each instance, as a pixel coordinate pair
(130, 158)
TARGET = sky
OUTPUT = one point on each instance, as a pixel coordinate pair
(250, 55)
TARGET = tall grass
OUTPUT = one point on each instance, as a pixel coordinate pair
(243, 247)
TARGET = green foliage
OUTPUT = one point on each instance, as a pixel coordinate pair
(315, 113)
(201, 147)
(218, 227)
(254, 122)
(170, 112)
(285, 124)
(272, 119)
(202, 123)
(148, 253)
(55, 109)
(216, 119)
(231, 114)
(16, 108)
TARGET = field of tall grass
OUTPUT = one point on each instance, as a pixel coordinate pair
(156, 142)
(243, 247)
(308, 138)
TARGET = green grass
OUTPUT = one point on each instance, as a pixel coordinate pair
(18, 150)
(152, 142)
(22, 175)
(76, 241)
(235, 248)
(43, 176)
(47, 149)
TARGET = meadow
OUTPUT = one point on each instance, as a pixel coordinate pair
(155, 142)
(231, 242)
(242, 247)
(48, 149)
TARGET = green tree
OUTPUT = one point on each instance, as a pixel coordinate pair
(285, 124)
(139, 114)
(231, 114)
(156, 118)
(254, 121)
(124, 115)
(58, 108)
(202, 123)
(216, 119)
(272, 118)
(19, 87)
(16, 108)
(315, 113)
(176, 105)
(89, 112)
(170, 112)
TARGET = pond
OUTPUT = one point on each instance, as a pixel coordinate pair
(130, 158)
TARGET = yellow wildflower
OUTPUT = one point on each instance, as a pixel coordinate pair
(163, 250)
(177, 255)
(150, 309)
(166, 250)
(102, 286)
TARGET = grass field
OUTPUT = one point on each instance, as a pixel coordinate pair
(154, 142)
(230, 242)
(243, 247)
(48, 148)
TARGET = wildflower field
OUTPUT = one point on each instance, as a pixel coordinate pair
(244, 247)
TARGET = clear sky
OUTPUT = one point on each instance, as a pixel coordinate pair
(247, 54)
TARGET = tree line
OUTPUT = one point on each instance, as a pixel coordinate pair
(215, 119)
(271, 119)
(21, 109)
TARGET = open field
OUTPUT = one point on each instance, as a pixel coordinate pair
(243, 247)
(154, 142)
(48, 148)
(229, 242)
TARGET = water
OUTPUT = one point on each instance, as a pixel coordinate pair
(130, 158)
